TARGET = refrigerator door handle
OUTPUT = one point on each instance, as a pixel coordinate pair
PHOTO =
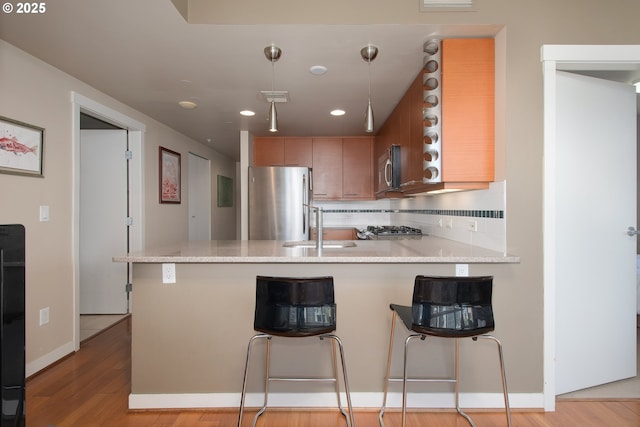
(305, 204)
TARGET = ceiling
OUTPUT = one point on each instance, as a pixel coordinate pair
(144, 54)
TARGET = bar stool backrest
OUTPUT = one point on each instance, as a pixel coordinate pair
(294, 307)
(452, 306)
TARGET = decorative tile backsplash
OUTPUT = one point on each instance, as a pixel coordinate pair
(452, 216)
(456, 212)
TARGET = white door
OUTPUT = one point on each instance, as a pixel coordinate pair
(103, 229)
(596, 203)
(199, 198)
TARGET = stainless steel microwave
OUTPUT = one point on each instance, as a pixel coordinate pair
(389, 169)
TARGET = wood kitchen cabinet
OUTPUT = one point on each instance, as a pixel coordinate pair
(468, 94)
(335, 234)
(268, 152)
(343, 168)
(357, 168)
(327, 168)
(463, 141)
(282, 151)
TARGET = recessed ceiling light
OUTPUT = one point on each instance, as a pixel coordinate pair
(187, 105)
(318, 70)
(338, 112)
(247, 113)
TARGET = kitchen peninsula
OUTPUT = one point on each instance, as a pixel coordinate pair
(189, 338)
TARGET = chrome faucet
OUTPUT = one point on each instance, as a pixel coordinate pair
(319, 226)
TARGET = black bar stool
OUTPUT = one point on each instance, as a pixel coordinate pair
(295, 307)
(446, 307)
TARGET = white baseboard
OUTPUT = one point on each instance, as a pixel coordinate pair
(49, 358)
(328, 400)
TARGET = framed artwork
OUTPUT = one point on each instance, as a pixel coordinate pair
(225, 192)
(169, 176)
(21, 147)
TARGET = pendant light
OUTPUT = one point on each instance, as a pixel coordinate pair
(369, 53)
(273, 53)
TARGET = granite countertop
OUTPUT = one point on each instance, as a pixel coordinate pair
(426, 250)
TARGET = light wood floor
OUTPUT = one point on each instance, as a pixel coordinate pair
(93, 324)
(90, 389)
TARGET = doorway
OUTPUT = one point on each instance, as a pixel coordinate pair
(569, 58)
(626, 388)
(134, 131)
(199, 198)
(104, 298)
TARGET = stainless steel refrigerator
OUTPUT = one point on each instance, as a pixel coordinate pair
(279, 199)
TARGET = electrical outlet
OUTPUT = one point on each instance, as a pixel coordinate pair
(472, 225)
(44, 316)
(440, 223)
(462, 270)
(168, 273)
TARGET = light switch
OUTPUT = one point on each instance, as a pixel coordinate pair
(44, 213)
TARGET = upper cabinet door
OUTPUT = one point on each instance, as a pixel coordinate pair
(327, 168)
(298, 152)
(282, 151)
(268, 151)
(468, 115)
(357, 168)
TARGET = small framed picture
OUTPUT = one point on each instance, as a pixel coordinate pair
(225, 192)
(169, 176)
(21, 147)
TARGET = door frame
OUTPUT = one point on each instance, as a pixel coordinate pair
(564, 58)
(136, 130)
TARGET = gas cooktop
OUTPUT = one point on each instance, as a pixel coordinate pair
(389, 232)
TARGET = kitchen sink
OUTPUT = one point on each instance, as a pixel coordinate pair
(327, 244)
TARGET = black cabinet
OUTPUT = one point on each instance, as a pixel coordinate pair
(12, 330)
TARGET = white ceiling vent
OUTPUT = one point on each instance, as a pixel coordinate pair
(275, 95)
(430, 5)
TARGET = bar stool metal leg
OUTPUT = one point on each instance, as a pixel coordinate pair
(338, 342)
(457, 384)
(246, 375)
(334, 350)
(404, 380)
(505, 391)
(387, 378)
(267, 379)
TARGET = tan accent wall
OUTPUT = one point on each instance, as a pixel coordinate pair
(192, 336)
(36, 93)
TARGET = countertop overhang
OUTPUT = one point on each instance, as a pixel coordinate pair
(429, 249)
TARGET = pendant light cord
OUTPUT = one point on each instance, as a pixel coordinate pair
(369, 61)
(273, 75)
